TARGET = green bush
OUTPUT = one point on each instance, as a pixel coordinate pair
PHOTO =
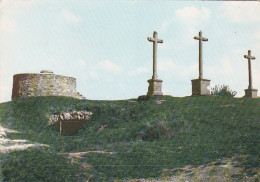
(153, 131)
(222, 90)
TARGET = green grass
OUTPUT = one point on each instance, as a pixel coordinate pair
(147, 138)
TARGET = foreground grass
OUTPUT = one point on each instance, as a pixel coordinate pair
(193, 138)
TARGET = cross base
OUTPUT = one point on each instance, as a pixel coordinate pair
(200, 87)
(251, 93)
(155, 87)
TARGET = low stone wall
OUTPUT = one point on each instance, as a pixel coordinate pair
(80, 115)
(44, 84)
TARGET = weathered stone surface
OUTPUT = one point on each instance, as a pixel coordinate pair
(155, 41)
(155, 87)
(79, 96)
(142, 98)
(47, 71)
(200, 87)
(201, 39)
(44, 84)
(155, 84)
(251, 93)
(69, 122)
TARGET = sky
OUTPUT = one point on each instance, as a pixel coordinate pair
(103, 44)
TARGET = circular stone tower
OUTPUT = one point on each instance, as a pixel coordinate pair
(44, 83)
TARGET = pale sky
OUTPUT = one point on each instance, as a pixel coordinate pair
(103, 44)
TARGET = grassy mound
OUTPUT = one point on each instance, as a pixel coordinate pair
(194, 138)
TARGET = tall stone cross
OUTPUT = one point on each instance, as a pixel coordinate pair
(200, 38)
(155, 40)
(249, 57)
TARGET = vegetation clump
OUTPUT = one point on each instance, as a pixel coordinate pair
(40, 165)
(222, 90)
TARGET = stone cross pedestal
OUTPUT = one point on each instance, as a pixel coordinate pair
(200, 86)
(155, 84)
(250, 92)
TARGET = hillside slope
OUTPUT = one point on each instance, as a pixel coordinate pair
(164, 138)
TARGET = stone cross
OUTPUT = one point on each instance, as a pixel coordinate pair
(155, 40)
(200, 38)
(249, 57)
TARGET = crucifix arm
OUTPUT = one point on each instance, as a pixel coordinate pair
(249, 57)
(153, 40)
(200, 38)
(150, 39)
(196, 37)
(204, 39)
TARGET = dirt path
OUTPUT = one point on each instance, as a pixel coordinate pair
(8, 145)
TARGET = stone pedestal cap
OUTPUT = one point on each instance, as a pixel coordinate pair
(47, 72)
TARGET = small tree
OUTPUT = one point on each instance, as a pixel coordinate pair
(222, 90)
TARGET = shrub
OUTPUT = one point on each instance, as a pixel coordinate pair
(222, 90)
(155, 130)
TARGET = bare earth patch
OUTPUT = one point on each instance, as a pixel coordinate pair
(8, 145)
(224, 106)
(209, 173)
(80, 155)
(159, 101)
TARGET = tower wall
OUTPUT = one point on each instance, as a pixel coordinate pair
(43, 84)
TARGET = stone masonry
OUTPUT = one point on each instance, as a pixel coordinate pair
(250, 92)
(44, 84)
(155, 84)
(69, 122)
(200, 86)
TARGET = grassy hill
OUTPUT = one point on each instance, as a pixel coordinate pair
(190, 138)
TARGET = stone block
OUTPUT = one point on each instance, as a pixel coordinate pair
(251, 93)
(155, 87)
(200, 87)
